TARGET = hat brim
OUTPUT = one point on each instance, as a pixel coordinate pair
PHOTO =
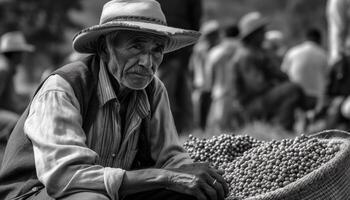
(263, 23)
(86, 40)
(23, 48)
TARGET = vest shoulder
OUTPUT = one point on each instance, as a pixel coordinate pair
(84, 66)
(157, 86)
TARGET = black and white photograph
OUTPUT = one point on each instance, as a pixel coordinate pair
(175, 100)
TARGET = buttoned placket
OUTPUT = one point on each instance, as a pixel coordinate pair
(133, 122)
(116, 148)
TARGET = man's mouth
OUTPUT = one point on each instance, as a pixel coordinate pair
(141, 74)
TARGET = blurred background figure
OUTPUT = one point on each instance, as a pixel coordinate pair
(306, 65)
(275, 44)
(211, 36)
(223, 114)
(174, 70)
(259, 86)
(338, 18)
(13, 47)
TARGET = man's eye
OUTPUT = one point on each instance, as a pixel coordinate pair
(158, 49)
(137, 46)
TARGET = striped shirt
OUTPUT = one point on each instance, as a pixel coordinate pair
(68, 160)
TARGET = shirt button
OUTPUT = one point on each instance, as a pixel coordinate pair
(113, 155)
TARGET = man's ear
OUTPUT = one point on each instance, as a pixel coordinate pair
(102, 49)
(104, 55)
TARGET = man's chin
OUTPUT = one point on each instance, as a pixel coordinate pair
(137, 85)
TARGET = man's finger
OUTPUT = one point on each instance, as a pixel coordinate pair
(219, 189)
(210, 192)
(202, 164)
(198, 193)
(217, 185)
(221, 180)
(224, 186)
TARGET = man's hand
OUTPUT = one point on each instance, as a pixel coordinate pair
(198, 180)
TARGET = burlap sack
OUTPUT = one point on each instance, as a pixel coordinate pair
(330, 182)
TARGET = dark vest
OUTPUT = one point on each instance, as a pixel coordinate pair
(18, 175)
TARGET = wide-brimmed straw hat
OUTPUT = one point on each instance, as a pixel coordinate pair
(250, 23)
(135, 15)
(14, 42)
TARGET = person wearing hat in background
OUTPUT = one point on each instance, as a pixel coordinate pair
(338, 111)
(101, 128)
(222, 116)
(259, 86)
(211, 36)
(306, 65)
(13, 46)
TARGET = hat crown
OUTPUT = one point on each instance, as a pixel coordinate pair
(251, 22)
(14, 41)
(133, 15)
(145, 10)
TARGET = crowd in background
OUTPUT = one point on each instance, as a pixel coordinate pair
(236, 74)
(244, 72)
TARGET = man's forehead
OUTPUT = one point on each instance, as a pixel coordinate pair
(141, 36)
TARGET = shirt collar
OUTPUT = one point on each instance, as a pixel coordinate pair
(105, 90)
(143, 105)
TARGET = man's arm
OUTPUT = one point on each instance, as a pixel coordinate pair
(64, 164)
(165, 146)
(198, 180)
(175, 170)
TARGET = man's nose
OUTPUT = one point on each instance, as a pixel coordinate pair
(145, 60)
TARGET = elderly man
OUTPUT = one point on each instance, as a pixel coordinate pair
(101, 128)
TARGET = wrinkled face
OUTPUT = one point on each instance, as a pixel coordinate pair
(134, 57)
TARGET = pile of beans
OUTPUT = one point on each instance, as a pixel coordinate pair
(255, 167)
(219, 150)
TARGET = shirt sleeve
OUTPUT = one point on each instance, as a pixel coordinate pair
(64, 164)
(337, 27)
(165, 145)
